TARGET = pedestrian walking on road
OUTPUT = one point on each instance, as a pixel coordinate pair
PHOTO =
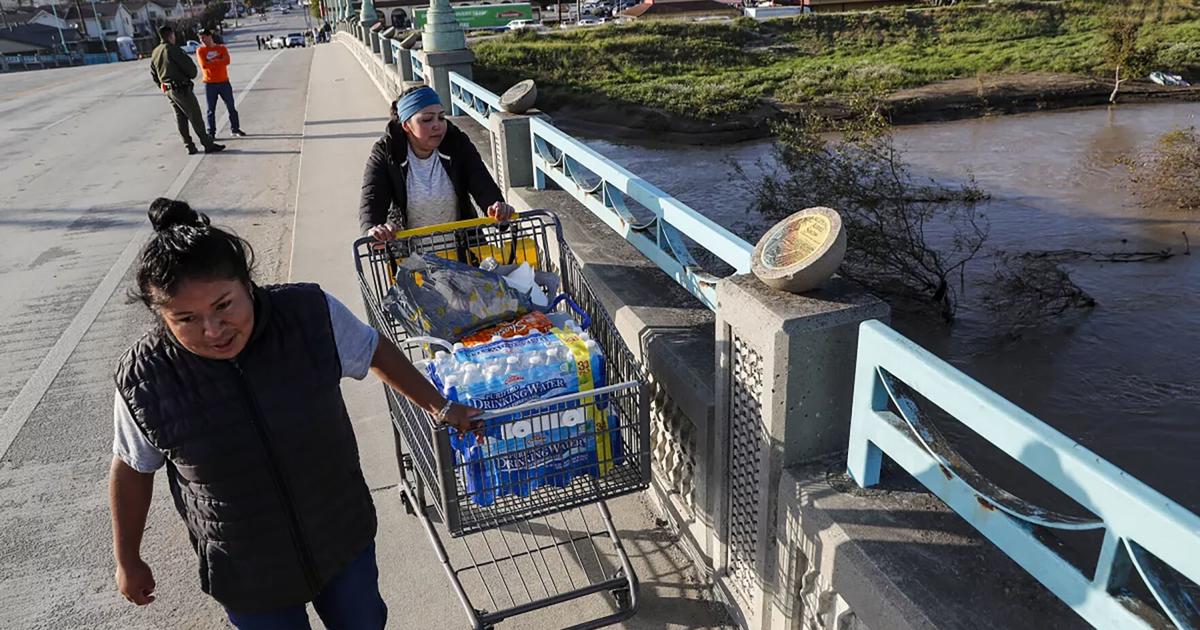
(236, 392)
(214, 60)
(173, 73)
(258, 41)
(424, 171)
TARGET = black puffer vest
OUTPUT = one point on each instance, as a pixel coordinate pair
(262, 460)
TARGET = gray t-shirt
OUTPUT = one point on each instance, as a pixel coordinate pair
(355, 343)
(431, 196)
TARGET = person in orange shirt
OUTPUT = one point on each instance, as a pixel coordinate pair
(214, 61)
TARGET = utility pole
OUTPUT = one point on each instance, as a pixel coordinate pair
(99, 26)
(58, 24)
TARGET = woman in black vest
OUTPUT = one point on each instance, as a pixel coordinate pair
(424, 171)
(236, 392)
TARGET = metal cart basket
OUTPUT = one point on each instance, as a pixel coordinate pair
(520, 551)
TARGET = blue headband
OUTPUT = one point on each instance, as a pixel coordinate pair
(408, 105)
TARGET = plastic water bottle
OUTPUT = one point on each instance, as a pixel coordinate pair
(450, 387)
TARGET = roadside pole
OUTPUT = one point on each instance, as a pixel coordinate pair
(99, 27)
(58, 24)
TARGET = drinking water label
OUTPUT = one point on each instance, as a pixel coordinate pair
(551, 446)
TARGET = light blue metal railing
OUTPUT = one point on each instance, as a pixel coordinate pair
(1143, 530)
(603, 187)
(418, 69)
(472, 99)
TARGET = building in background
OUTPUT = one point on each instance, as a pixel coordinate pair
(102, 20)
(31, 39)
(139, 10)
(161, 11)
(828, 6)
(55, 17)
(677, 9)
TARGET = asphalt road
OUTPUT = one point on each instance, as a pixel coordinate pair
(84, 151)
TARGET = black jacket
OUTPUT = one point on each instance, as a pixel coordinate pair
(261, 456)
(384, 187)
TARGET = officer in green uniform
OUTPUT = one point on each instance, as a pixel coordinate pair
(173, 72)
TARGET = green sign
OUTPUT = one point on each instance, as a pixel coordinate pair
(486, 16)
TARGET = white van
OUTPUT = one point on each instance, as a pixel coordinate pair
(126, 50)
(517, 25)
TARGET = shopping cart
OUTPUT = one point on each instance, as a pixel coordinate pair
(520, 552)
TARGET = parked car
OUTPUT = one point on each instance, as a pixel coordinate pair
(278, 42)
(191, 46)
(295, 39)
(588, 22)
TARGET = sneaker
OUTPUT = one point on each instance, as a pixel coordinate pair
(214, 148)
(191, 149)
(239, 133)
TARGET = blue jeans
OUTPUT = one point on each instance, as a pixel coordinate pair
(350, 601)
(224, 91)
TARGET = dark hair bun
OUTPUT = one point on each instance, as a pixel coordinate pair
(165, 214)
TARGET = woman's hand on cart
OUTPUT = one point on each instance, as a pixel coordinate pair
(501, 211)
(462, 419)
(385, 232)
(394, 368)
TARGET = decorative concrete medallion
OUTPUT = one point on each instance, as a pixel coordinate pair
(519, 98)
(801, 252)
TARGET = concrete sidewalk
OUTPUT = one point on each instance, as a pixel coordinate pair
(345, 114)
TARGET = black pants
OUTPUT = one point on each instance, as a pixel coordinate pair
(187, 110)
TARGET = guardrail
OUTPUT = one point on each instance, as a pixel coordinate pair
(1142, 529)
(470, 98)
(418, 69)
(604, 188)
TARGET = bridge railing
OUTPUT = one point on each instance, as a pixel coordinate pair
(472, 99)
(607, 189)
(1143, 531)
(418, 68)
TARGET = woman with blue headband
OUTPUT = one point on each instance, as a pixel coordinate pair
(424, 171)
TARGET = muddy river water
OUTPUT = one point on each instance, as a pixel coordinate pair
(1123, 378)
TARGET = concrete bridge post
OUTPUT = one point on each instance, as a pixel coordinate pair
(785, 374)
(512, 151)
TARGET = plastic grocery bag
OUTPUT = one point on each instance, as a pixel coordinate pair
(443, 298)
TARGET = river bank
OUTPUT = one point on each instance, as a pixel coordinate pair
(943, 101)
(714, 83)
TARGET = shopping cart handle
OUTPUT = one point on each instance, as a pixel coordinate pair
(585, 319)
(451, 226)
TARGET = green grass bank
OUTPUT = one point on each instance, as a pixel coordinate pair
(698, 76)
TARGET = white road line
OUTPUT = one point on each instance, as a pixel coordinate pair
(35, 388)
(300, 165)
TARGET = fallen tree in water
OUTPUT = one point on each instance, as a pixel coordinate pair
(1027, 290)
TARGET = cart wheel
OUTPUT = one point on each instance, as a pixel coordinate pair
(621, 595)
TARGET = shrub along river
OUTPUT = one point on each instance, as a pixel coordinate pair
(1122, 378)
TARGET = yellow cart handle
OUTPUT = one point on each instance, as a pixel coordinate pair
(450, 227)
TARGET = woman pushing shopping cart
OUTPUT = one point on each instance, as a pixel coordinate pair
(500, 317)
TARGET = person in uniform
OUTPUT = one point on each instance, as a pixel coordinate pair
(173, 73)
